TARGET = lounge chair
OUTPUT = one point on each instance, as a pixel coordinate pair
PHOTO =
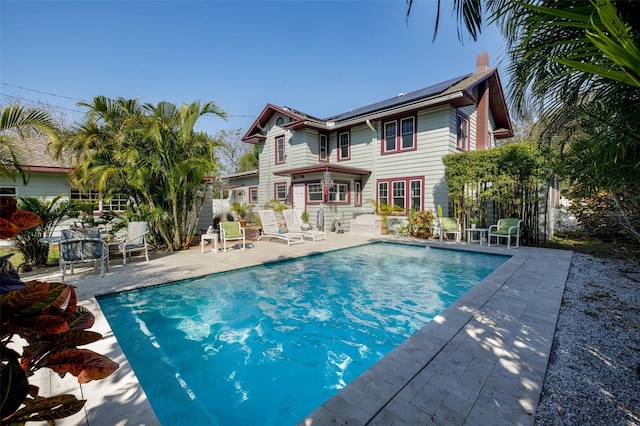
(294, 225)
(449, 225)
(135, 240)
(270, 229)
(83, 245)
(231, 231)
(506, 228)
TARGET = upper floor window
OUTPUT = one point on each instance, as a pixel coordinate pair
(462, 129)
(323, 148)
(253, 195)
(399, 135)
(280, 154)
(407, 133)
(280, 191)
(279, 121)
(390, 136)
(344, 146)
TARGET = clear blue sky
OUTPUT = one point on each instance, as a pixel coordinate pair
(319, 57)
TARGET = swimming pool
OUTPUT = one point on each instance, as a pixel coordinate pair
(268, 344)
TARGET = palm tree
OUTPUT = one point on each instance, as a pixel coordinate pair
(150, 153)
(177, 161)
(575, 66)
(14, 123)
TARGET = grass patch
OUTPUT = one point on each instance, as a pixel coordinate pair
(17, 259)
(596, 248)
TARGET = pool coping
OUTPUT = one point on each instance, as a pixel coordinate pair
(458, 369)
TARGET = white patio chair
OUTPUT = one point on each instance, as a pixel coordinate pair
(231, 231)
(271, 230)
(135, 240)
(294, 225)
(506, 228)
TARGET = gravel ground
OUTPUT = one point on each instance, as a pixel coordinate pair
(593, 376)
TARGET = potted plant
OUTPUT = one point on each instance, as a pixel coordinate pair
(384, 210)
(421, 223)
(305, 220)
(242, 210)
(473, 221)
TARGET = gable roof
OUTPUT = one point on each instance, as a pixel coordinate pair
(455, 91)
(40, 159)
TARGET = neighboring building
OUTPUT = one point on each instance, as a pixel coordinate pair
(390, 151)
(49, 178)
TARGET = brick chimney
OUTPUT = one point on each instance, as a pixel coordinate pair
(482, 112)
(482, 62)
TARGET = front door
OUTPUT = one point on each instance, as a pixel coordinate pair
(299, 198)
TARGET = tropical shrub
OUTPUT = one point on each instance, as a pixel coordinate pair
(52, 212)
(41, 327)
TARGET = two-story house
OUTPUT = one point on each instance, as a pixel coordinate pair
(390, 151)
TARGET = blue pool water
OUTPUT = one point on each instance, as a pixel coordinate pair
(267, 345)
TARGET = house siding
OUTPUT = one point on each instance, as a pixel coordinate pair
(42, 184)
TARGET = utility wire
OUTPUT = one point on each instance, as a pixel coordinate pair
(74, 99)
(44, 93)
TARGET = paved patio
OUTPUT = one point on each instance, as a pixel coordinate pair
(482, 361)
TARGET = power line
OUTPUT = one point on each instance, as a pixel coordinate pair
(19, 98)
(76, 99)
(44, 93)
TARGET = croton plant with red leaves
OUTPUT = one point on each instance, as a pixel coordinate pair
(42, 327)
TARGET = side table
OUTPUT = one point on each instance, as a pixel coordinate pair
(211, 237)
(481, 235)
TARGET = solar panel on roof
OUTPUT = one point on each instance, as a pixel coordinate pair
(401, 99)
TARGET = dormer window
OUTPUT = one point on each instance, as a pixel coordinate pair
(279, 121)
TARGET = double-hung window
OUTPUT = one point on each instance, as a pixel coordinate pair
(383, 192)
(280, 154)
(280, 191)
(253, 195)
(357, 193)
(406, 193)
(338, 193)
(462, 130)
(416, 195)
(323, 148)
(344, 146)
(390, 136)
(399, 135)
(399, 193)
(314, 193)
(408, 133)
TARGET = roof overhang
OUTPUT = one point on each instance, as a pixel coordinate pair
(321, 168)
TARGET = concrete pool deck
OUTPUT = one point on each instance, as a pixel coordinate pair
(481, 361)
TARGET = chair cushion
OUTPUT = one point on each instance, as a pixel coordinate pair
(505, 224)
(231, 229)
(449, 224)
